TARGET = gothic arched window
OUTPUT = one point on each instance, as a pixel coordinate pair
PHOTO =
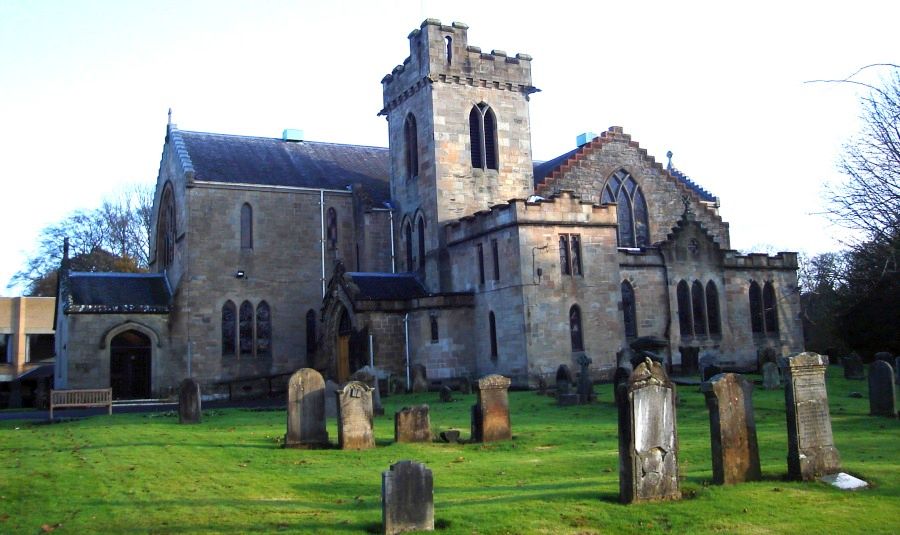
(633, 228)
(684, 309)
(229, 318)
(483, 137)
(331, 226)
(263, 330)
(434, 330)
(310, 334)
(245, 328)
(493, 327)
(575, 329)
(770, 308)
(629, 309)
(165, 229)
(420, 230)
(408, 242)
(712, 309)
(756, 308)
(698, 307)
(246, 226)
(411, 146)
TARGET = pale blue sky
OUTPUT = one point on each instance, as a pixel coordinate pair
(85, 85)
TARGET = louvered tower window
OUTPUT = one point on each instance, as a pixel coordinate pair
(483, 137)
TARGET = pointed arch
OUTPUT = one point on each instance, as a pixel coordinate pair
(408, 244)
(420, 231)
(685, 323)
(756, 308)
(770, 308)
(246, 226)
(629, 309)
(229, 328)
(712, 309)
(575, 332)
(411, 146)
(698, 308)
(633, 222)
(263, 330)
(165, 229)
(483, 137)
(245, 328)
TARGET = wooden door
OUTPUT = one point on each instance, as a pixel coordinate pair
(343, 358)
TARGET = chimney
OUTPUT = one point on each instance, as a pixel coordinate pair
(292, 135)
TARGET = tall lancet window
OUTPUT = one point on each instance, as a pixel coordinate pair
(246, 226)
(483, 137)
(411, 146)
(632, 209)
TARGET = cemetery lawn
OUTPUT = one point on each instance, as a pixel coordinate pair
(145, 473)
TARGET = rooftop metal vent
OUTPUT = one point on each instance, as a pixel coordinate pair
(292, 134)
(585, 138)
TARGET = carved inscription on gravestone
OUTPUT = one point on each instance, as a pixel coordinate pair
(355, 417)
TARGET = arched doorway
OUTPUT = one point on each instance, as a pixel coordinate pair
(342, 363)
(129, 365)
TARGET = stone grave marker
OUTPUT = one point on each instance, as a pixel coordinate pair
(648, 442)
(885, 356)
(564, 395)
(331, 388)
(450, 435)
(766, 354)
(490, 416)
(732, 428)
(585, 385)
(306, 410)
(771, 376)
(407, 498)
(412, 424)
(541, 386)
(882, 394)
(811, 451)
(355, 431)
(711, 371)
(368, 375)
(419, 379)
(189, 402)
(446, 394)
(853, 367)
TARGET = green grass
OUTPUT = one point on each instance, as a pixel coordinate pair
(138, 473)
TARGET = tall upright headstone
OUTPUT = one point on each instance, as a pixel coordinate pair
(648, 442)
(407, 498)
(419, 379)
(369, 375)
(355, 431)
(490, 416)
(564, 395)
(306, 410)
(732, 429)
(412, 424)
(811, 450)
(771, 376)
(189, 402)
(585, 384)
(882, 394)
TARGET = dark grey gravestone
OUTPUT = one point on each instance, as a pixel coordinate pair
(732, 428)
(355, 430)
(885, 356)
(189, 402)
(711, 371)
(811, 450)
(648, 442)
(541, 386)
(490, 416)
(368, 375)
(766, 354)
(853, 367)
(690, 360)
(306, 411)
(419, 379)
(450, 435)
(330, 399)
(446, 394)
(882, 394)
(563, 380)
(407, 498)
(585, 384)
(771, 376)
(412, 424)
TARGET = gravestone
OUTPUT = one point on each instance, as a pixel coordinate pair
(709, 359)
(853, 367)
(541, 386)
(419, 379)
(771, 376)
(564, 395)
(412, 424)
(369, 376)
(407, 498)
(465, 385)
(648, 442)
(885, 356)
(690, 360)
(766, 354)
(585, 385)
(811, 451)
(446, 394)
(355, 417)
(490, 416)
(625, 359)
(711, 371)
(189, 402)
(450, 435)
(732, 428)
(331, 399)
(306, 410)
(882, 395)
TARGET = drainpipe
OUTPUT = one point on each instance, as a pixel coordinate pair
(406, 339)
(322, 235)
(371, 353)
(393, 260)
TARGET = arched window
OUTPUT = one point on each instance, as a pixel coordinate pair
(246, 226)
(493, 326)
(449, 41)
(310, 333)
(633, 228)
(229, 319)
(331, 227)
(712, 309)
(629, 309)
(698, 307)
(483, 137)
(684, 309)
(756, 308)
(245, 328)
(420, 230)
(165, 229)
(575, 329)
(410, 135)
(407, 238)
(770, 308)
(263, 330)
(434, 329)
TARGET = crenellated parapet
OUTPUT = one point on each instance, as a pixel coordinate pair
(782, 260)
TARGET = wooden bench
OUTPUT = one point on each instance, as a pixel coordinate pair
(100, 397)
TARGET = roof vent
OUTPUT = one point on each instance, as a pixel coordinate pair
(585, 138)
(292, 134)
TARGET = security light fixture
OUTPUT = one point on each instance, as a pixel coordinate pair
(240, 274)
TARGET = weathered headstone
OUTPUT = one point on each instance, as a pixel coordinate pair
(766, 354)
(882, 394)
(711, 371)
(368, 375)
(331, 399)
(811, 451)
(306, 410)
(412, 424)
(355, 417)
(648, 443)
(564, 395)
(446, 394)
(189, 402)
(541, 386)
(450, 435)
(625, 359)
(419, 379)
(585, 384)
(853, 367)
(771, 376)
(709, 365)
(885, 356)
(490, 416)
(690, 360)
(732, 428)
(407, 498)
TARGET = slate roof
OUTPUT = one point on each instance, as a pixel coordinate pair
(693, 186)
(128, 293)
(273, 162)
(387, 286)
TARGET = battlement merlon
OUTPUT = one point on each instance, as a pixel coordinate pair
(441, 53)
(782, 260)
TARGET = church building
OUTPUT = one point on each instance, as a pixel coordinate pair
(452, 248)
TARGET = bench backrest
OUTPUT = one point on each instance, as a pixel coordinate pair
(100, 396)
